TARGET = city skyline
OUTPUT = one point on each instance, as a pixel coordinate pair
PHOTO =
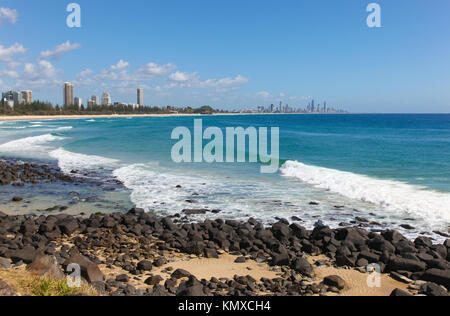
(317, 50)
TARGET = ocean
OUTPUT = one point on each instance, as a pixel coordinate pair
(389, 169)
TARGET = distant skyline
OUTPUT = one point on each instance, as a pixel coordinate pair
(232, 54)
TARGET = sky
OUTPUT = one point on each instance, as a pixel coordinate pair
(233, 54)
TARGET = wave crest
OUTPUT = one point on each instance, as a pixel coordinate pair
(394, 196)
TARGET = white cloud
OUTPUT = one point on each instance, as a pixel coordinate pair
(59, 51)
(43, 73)
(263, 94)
(186, 80)
(8, 15)
(152, 70)
(183, 77)
(10, 74)
(225, 82)
(7, 54)
(120, 65)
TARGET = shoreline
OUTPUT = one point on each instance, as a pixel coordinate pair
(74, 117)
(137, 253)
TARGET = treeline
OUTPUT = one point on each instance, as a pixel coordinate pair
(46, 108)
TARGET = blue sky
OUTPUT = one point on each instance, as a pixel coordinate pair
(233, 54)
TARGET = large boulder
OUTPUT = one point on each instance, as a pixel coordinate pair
(46, 266)
(441, 277)
(68, 225)
(26, 255)
(191, 288)
(89, 270)
(432, 289)
(302, 266)
(281, 231)
(335, 281)
(280, 259)
(401, 264)
(351, 235)
(145, 265)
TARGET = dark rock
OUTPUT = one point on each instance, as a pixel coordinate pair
(351, 235)
(406, 264)
(26, 255)
(437, 276)
(160, 262)
(281, 231)
(211, 253)
(361, 219)
(240, 260)
(423, 241)
(89, 270)
(343, 260)
(335, 281)
(123, 278)
(195, 248)
(302, 266)
(194, 211)
(280, 259)
(432, 289)
(17, 199)
(145, 265)
(154, 280)
(179, 274)
(398, 292)
(68, 226)
(191, 288)
(362, 263)
(369, 256)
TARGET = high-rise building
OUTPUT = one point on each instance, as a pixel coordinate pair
(68, 94)
(11, 98)
(140, 97)
(325, 107)
(78, 102)
(106, 99)
(313, 108)
(27, 96)
(94, 99)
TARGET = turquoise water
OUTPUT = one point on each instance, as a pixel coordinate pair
(392, 169)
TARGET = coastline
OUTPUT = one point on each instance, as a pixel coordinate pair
(137, 253)
(75, 117)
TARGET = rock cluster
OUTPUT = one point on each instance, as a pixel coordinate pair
(19, 174)
(136, 242)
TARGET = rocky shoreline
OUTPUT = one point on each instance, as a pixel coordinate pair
(137, 253)
(136, 243)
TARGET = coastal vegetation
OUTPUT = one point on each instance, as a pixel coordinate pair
(46, 108)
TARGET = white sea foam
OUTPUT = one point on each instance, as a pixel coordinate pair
(34, 146)
(92, 120)
(155, 188)
(151, 188)
(394, 196)
(69, 161)
(64, 128)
